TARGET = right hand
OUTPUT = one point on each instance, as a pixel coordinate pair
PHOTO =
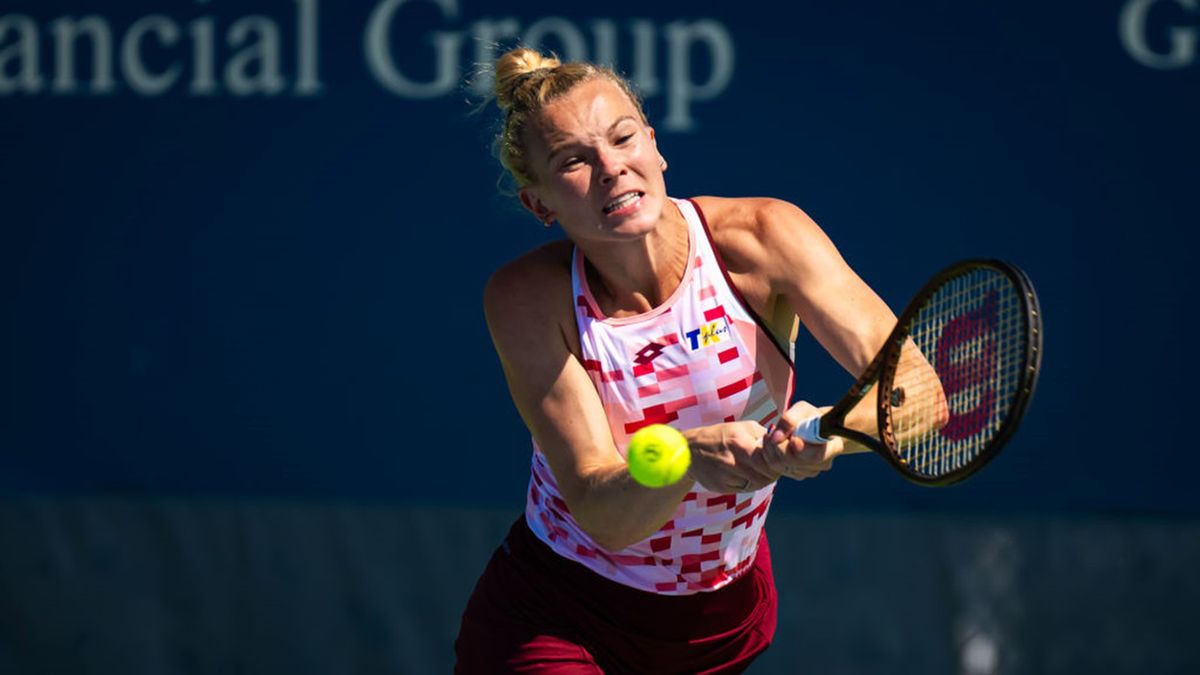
(728, 457)
(793, 456)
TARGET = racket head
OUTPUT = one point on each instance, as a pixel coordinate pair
(977, 326)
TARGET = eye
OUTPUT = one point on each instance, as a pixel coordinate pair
(571, 162)
(623, 139)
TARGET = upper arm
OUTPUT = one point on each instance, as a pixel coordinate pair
(804, 267)
(529, 313)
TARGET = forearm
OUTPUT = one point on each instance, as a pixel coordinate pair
(617, 511)
(863, 417)
(918, 405)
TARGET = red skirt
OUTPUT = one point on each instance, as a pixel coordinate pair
(534, 611)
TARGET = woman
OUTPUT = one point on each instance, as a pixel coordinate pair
(653, 310)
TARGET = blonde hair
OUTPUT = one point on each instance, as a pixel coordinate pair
(527, 80)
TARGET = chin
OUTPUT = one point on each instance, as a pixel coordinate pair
(632, 229)
(643, 221)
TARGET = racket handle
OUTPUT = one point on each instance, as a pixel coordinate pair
(810, 430)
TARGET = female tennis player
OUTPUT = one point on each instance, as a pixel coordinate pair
(652, 310)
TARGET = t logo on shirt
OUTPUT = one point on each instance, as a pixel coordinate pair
(709, 334)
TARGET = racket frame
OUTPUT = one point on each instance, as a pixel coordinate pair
(880, 373)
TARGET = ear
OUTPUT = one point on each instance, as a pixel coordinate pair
(534, 204)
(662, 161)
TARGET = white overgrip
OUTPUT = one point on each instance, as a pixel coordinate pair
(810, 430)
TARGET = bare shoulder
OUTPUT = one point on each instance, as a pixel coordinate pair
(748, 230)
(531, 291)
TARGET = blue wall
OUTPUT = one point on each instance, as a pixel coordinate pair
(216, 282)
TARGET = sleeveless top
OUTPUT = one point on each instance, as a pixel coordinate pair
(700, 358)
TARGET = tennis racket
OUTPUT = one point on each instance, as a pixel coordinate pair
(954, 378)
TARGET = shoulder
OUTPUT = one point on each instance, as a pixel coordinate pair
(747, 231)
(524, 293)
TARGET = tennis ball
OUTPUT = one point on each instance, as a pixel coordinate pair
(658, 455)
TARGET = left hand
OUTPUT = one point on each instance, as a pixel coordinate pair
(789, 455)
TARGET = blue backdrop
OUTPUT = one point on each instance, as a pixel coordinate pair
(243, 244)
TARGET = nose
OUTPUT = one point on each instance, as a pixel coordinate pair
(610, 165)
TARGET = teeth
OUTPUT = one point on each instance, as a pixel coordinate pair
(624, 199)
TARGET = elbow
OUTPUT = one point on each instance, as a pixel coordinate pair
(594, 511)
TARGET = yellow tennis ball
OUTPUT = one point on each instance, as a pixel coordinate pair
(658, 455)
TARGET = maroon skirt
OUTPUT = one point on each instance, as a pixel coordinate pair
(534, 611)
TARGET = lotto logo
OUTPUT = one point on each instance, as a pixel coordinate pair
(709, 334)
(648, 353)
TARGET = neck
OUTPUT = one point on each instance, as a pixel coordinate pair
(634, 277)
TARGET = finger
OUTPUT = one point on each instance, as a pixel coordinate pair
(797, 451)
(827, 452)
(750, 455)
(756, 474)
(797, 413)
(784, 448)
(812, 471)
(751, 469)
(774, 450)
(737, 469)
(813, 455)
(767, 461)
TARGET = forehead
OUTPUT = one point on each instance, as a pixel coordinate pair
(588, 108)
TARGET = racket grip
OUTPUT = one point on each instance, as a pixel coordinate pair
(810, 430)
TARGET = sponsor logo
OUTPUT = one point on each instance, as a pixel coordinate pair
(966, 363)
(413, 49)
(648, 353)
(1160, 34)
(709, 334)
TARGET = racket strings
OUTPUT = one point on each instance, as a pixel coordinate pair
(959, 373)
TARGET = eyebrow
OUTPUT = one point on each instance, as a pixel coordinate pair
(556, 148)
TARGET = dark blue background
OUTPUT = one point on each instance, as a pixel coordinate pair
(281, 296)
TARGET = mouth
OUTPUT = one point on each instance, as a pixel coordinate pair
(624, 202)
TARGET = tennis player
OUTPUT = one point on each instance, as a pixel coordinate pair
(653, 310)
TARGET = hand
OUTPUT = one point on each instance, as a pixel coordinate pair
(790, 455)
(729, 458)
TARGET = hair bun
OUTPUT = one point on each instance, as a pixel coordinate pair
(513, 70)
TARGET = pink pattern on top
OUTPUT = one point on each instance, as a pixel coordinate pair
(699, 358)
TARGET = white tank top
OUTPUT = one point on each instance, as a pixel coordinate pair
(700, 358)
